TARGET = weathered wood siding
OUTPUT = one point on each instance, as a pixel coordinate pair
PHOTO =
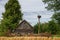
(24, 28)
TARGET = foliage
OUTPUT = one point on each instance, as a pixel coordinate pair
(50, 27)
(56, 17)
(53, 27)
(36, 28)
(54, 5)
(43, 28)
(11, 16)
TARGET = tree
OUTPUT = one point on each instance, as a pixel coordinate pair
(43, 28)
(50, 27)
(36, 28)
(11, 16)
(54, 5)
(53, 27)
(56, 17)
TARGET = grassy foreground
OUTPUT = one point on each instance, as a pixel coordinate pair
(29, 38)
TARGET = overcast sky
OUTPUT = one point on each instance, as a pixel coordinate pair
(30, 9)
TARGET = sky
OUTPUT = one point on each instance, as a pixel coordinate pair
(31, 9)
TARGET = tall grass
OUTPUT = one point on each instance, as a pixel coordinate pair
(29, 38)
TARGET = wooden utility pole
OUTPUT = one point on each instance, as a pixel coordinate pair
(39, 23)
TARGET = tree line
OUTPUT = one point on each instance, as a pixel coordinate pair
(52, 26)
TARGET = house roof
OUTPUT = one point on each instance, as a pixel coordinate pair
(25, 22)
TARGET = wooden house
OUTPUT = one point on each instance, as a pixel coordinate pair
(24, 28)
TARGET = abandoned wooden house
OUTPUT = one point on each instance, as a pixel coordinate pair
(24, 28)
